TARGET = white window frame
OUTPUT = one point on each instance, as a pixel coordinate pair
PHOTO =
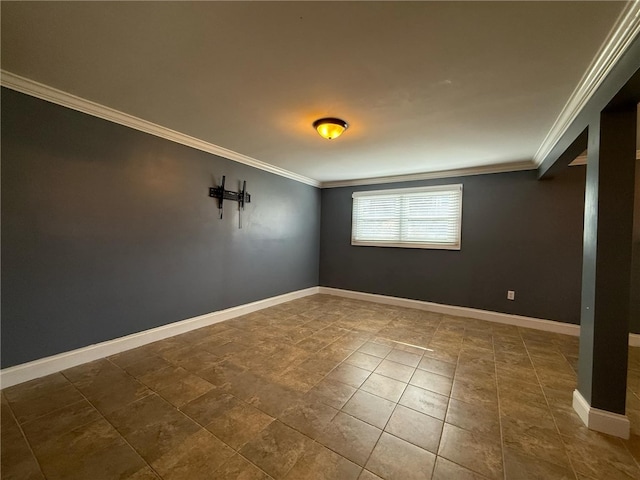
(405, 191)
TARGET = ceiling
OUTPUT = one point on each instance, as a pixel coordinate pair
(425, 86)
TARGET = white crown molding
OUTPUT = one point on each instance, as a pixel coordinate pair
(616, 43)
(601, 420)
(459, 172)
(582, 159)
(53, 95)
(55, 363)
(44, 92)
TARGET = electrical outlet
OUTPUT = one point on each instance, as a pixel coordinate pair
(511, 295)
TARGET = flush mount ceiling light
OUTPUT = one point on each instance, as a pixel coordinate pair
(330, 128)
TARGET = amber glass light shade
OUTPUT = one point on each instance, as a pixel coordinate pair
(330, 128)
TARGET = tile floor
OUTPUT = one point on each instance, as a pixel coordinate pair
(320, 388)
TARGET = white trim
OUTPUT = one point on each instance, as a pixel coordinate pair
(45, 366)
(601, 420)
(582, 159)
(399, 191)
(55, 363)
(487, 315)
(401, 194)
(53, 95)
(615, 45)
(459, 172)
(497, 317)
(59, 97)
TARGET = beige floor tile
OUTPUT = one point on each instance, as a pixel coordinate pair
(384, 387)
(447, 470)
(185, 389)
(95, 451)
(432, 381)
(395, 459)
(38, 397)
(433, 365)
(194, 459)
(106, 386)
(367, 475)
(350, 437)
(144, 366)
(195, 359)
(405, 358)
(309, 417)
(416, 428)
(239, 424)
(308, 364)
(59, 422)
(369, 408)
(523, 467)
(145, 473)
(320, 463)
(534, 439)
(349, 374)
(519, 373)
(600, 456)
(375, 349)
(331, 392)
(476, 418)
(16, 459)
(363, 360)
(474, 390)
(207, 407)
(425, 401)
(152, 426)
(239, 468)
(298, 379)
(533, 413)
(220, 373)
(475, 452)
(395, 370)
(276, 449)
(275, 399)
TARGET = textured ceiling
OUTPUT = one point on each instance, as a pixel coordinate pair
(425, 86)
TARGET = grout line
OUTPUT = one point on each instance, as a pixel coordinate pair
(555, 423)
(495, 365)
(113, 426)
(26, 440)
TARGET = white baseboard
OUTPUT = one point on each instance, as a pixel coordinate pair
(497, 317)
(489, 316)
(601, 420)
(55, 363)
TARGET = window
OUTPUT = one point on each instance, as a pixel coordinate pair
(424, 217)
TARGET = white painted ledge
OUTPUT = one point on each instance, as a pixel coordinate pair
(601, 420)
(55, 363)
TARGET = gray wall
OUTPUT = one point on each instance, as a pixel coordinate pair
(108, 231)
(518, 233)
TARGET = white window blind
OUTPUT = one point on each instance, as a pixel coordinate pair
(424, 217)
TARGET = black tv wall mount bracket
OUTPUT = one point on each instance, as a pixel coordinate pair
(241, 197)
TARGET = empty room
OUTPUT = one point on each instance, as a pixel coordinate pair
(320, 240)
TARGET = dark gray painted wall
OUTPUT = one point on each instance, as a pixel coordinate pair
(108, 231)
(518, 233)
